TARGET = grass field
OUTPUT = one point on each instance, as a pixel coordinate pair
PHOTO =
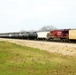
(19, 60)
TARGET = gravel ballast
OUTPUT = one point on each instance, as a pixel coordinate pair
(51, 47)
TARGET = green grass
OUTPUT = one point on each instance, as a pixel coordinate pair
(19, 60)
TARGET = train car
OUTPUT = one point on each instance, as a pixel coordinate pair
(42, 35)
(25, 35)
(6, 35)
(59, 35)
(72, 34)
(16, 35)
(32, 35)
(11, 35)
(21, 35)
(2, 35)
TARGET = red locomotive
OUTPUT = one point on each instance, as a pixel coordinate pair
(59, 35)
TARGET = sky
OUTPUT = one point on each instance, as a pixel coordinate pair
(18, 15)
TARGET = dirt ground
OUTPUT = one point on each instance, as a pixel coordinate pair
(55, 47)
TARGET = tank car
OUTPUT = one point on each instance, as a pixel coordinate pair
(20, 35)
(16, 35)
(2, 35)
(13, 35)
(32, 35)
(25, 35)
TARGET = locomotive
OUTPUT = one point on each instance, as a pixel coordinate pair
(65, 35)
(62, 35)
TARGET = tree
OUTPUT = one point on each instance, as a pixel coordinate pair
(47, 28)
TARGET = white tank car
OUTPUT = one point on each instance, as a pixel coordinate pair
(42, 34)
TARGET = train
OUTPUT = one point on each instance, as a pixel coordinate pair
(64, 35)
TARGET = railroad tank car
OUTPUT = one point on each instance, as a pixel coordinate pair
(21, 35)
(32, 35)
(2, 35)
(42, 35)
(25, 35)
(11, 35)
(16, 35)
(6, 35)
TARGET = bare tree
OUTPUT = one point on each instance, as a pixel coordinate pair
(47, 28)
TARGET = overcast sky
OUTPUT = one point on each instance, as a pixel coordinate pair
(17, 15)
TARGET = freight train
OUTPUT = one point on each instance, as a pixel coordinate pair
(64, 35)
